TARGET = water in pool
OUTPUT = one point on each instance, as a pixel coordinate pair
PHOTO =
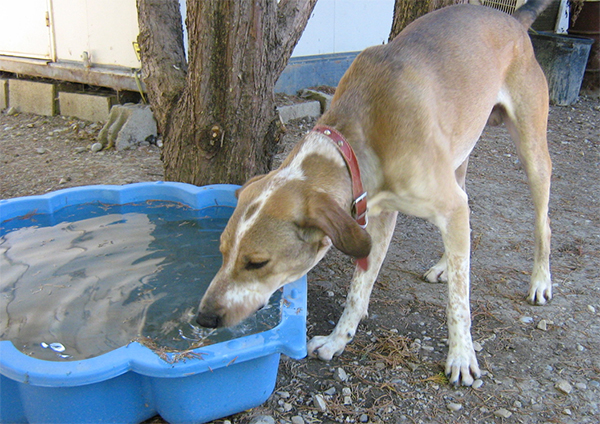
(91, 278)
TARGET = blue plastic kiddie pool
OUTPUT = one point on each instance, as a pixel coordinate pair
(132, 383)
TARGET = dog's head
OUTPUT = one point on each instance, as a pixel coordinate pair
(279, 230)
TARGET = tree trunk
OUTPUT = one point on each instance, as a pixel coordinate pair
(219, 123)
(406, 11)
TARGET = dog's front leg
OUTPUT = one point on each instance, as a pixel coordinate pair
(381, 229)
(461, 365)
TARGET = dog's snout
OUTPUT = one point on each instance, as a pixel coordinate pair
(209, 320)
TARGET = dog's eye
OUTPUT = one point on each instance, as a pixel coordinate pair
(251, 266)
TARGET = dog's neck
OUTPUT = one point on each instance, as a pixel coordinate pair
(359, 196)
(322, 166)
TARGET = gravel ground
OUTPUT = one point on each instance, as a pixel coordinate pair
(540, 364)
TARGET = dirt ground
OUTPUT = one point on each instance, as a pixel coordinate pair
(541, 364)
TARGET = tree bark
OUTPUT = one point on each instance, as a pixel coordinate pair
(406, 11)
(164, 66)
(220, 125)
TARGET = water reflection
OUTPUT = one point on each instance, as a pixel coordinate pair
(94, 278)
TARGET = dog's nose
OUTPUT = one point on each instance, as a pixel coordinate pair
(208, 320)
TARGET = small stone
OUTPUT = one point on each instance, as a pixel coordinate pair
(454, 407)
(96, 147)
(364, 418)
(330, 392)
(40, 150)
(477, 347)
(503, 413)
(340, 375)
(412, 366)
(347, 400)
(591, 309)
(379, 365)
(581, 386)
(297, 419)
(283, 394)
(563, 386)
(287, 407)
(262, 419)
(320, 403)
(542, 325)
(11, 111)
(526, 320)
(346, 391)
(226, 422)
(567, 411)
(80, 149)
(477, 383)
(63, 181)
(580, 347)
(518, 404)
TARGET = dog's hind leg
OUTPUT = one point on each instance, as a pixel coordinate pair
(381, 229)
(526, 119)
(437, 273)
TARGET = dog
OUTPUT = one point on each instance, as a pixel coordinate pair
(405, 117)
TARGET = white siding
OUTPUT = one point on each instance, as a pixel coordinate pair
(338, 26)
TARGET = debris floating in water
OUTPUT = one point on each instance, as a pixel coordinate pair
(57, 347)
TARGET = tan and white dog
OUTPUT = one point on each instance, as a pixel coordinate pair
(412, 111)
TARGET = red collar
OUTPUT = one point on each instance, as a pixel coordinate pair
(359, 202)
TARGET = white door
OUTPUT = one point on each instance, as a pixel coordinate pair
(25, 28)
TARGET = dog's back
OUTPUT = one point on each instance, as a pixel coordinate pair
(459, 56)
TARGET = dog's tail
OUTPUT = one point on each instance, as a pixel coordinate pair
(527, 13)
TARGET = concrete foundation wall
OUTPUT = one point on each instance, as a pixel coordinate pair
(32, 97)
(3, 93)
(90, 107)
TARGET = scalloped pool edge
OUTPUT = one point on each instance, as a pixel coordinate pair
(131, 383)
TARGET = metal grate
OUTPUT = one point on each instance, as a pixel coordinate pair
(508, 6)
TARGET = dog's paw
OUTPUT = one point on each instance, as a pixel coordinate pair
(325, 347)
(437, 273)
(540, 292)
(462, 367)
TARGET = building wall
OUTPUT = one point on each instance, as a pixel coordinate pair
(338, 26)
(62, 30)
(23, 29)
(104, 29)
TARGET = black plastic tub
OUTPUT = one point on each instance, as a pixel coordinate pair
(563, 59)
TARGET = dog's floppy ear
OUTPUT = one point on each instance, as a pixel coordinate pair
(250, 181)
(326, 215)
